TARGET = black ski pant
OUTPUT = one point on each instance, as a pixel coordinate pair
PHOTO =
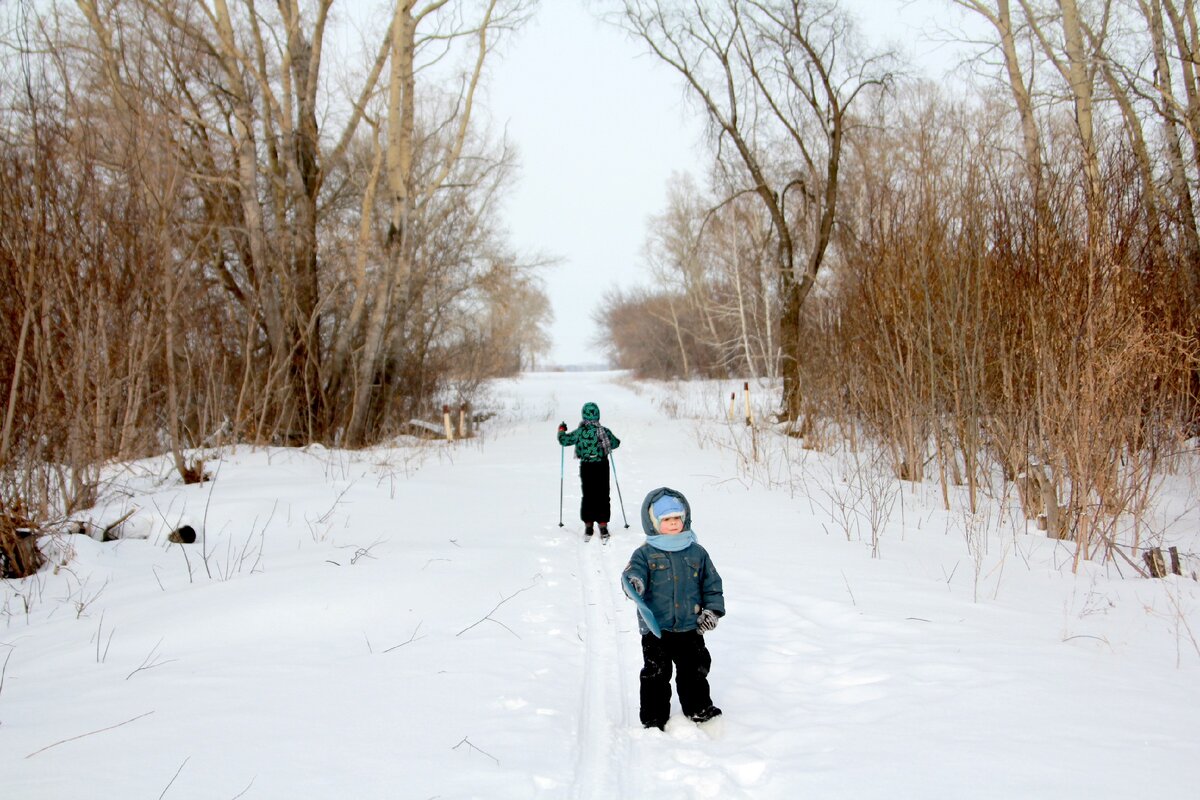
(692, 661)
(593, 480)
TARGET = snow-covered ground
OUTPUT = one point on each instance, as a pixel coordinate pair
(413, 623)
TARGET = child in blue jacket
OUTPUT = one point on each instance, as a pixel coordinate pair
(678, 582)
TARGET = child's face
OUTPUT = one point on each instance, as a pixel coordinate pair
(670, 525)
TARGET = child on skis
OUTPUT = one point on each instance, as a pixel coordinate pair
(593, 442)
(676, 579)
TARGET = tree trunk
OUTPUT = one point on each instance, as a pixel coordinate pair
(339, 361)
(1189, 54)
(1000, 18)
(399, 158)
(304, 56)
(679, 340)
(1080, 81)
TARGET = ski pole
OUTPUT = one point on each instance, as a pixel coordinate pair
(613, 460)
(562, 470)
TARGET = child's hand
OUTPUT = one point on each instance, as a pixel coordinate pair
(562, 427)
(637, 584)
(706, 621)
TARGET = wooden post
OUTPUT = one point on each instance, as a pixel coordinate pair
(19, 553)
(1174, 551)
(29, 559)
(746, 393)
(462, 421)
(732, 405)
(465, 413)
(1154, 562)
(446, 423)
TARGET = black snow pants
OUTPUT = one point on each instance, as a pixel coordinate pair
(593, 479)
(692, 662)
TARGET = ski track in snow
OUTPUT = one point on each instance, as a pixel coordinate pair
(613, 757)
(604, 750)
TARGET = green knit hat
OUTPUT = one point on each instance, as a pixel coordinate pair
(591, 412)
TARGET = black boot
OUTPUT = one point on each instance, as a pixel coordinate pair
(604, 532)
(587, 532)
(706, 714)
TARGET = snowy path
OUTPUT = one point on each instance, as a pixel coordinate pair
(618, 759)
(604, 750)
(610, 765)
(397, 624)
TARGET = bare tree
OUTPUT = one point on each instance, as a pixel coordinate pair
(777, 79)
(243, 90)
(1077, 68)
(673, 253)
(190, 221)
(243, 97)
(408, 193)
(1129, 57)
(998, 14)
(1173, 41)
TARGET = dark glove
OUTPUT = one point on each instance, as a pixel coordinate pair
(706, 621)
(562, 427)
(637, 584)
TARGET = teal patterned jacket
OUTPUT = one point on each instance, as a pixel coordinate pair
(586, 439)
(590, 436)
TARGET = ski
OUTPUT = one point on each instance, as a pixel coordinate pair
(643, 609)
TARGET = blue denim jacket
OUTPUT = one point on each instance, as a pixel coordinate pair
(678, 585)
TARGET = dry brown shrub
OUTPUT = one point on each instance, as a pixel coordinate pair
(979, 328)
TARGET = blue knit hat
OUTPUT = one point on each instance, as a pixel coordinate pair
(667, 506)
(664, 501)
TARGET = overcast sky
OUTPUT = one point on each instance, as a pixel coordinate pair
(600, 128)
